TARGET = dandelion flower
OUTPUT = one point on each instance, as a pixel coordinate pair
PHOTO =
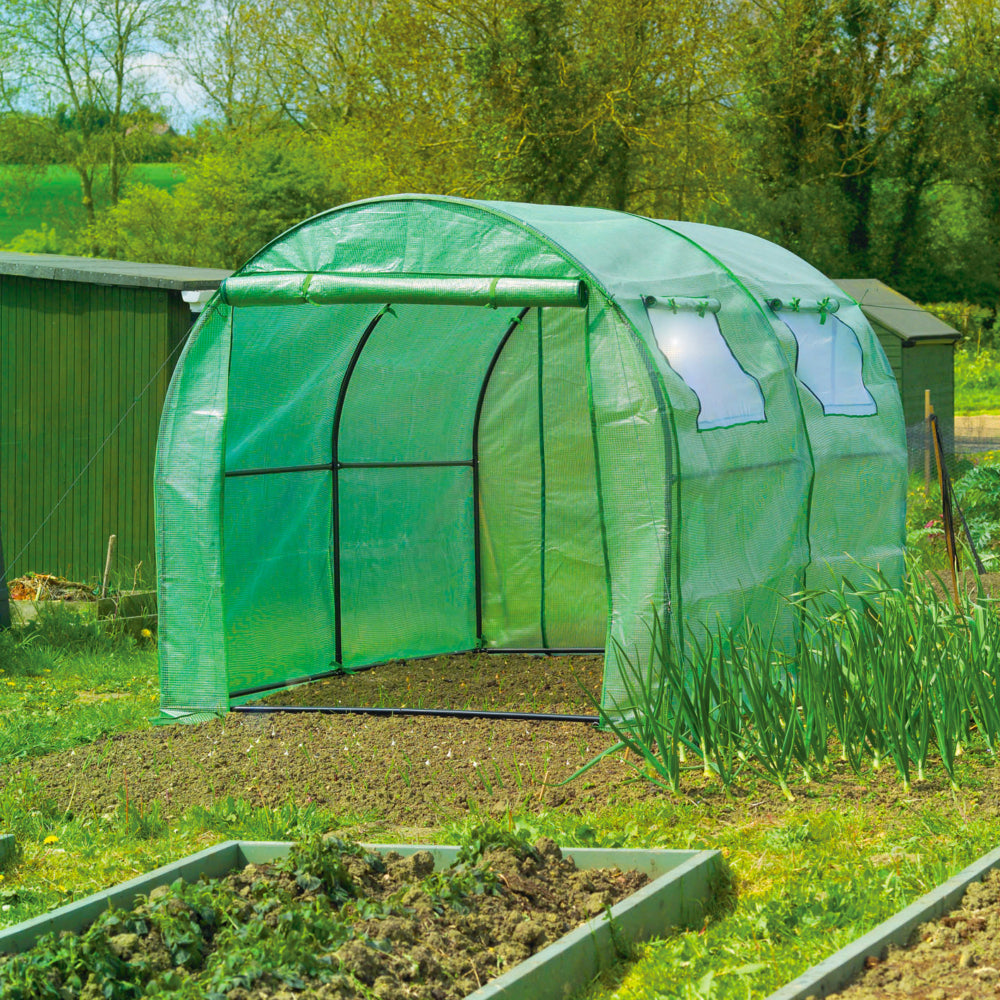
(51, 839)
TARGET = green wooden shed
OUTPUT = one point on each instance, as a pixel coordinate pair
(87, 348)
(921, 349)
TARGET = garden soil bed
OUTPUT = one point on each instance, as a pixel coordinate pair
(341, 923)
(410, 775)
(403, 772)
(956, 957)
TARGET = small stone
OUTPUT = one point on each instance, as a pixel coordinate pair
(967, 959)
(937, 994)
(987, 973)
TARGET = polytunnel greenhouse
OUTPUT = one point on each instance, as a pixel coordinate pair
(416, 425)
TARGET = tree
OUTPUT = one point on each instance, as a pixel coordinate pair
(381, 82)
(971, 142)
(221, 51)
(236, 196)
(79, 68)
(834, 91)
(607, 104)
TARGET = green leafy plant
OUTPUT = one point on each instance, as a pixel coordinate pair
(889, 675)
(484, 835)
(319, 863)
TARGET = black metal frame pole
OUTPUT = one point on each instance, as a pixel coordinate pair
(434, 713)
(547, 650)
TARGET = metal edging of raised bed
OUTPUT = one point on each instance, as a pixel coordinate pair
(679, 893)
(836, 971)
(7, 844)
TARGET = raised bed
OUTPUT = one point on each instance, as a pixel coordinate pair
(835, 972)
(6, 846)
(680, 890)
(135, 608)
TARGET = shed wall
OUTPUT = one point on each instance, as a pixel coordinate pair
(74, 357)
(919, 367)
(930, 366)
(893, 348)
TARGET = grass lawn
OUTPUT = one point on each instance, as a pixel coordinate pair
(53, 198)
(66, 683)
(808, 876)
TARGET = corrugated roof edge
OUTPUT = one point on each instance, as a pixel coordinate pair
(98, 271)
(893, 310)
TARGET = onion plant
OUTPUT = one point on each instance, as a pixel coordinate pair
(884, 674)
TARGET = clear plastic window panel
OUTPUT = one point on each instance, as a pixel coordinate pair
(695, 348)
(830, 363)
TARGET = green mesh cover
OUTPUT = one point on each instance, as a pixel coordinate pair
(424, 425)
(188, 497)
(407, 562)
(858, 500)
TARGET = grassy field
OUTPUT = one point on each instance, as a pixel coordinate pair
(977, 381)
(53, 198)
(806, 876)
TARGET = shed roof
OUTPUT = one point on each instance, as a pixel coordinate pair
(98, 271)
(894, 311)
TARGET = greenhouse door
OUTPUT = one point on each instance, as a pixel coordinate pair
(543, 570)
(405, 531)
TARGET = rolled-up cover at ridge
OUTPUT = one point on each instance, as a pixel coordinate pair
(337, 289)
